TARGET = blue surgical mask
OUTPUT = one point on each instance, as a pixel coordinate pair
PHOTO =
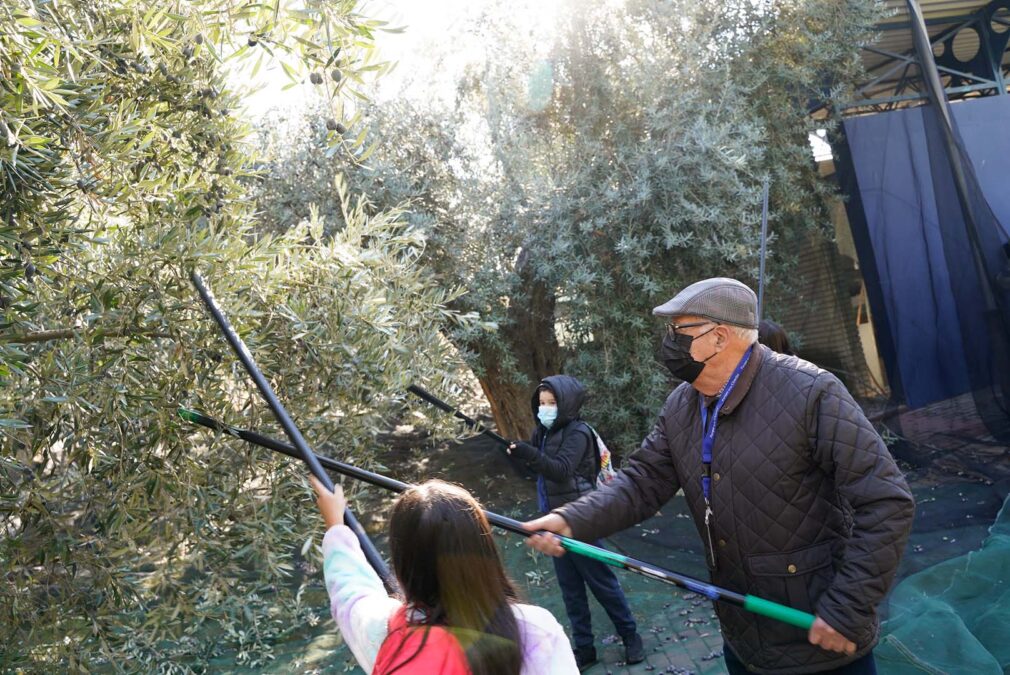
(547, 414)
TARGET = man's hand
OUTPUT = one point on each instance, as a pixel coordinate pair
(548, 543)
(331, 504)
(826, 637)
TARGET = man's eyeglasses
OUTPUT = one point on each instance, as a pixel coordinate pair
(674, 328)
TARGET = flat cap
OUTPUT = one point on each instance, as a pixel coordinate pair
(719, 299)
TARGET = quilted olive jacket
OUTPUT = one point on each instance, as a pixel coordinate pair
(810, 509)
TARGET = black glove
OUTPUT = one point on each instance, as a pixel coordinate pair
(523, 450)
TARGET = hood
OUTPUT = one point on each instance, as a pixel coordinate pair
(569, 393)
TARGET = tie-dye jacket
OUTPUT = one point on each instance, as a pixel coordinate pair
(362, 610)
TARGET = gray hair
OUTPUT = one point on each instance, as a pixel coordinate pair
(749, 335)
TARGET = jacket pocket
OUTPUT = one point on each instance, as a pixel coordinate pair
(790, 563)
(795, 578)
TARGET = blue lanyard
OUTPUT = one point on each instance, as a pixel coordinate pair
(708, 430)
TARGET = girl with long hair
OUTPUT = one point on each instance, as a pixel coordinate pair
(459, 611)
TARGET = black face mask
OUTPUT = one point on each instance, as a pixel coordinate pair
(676, 355)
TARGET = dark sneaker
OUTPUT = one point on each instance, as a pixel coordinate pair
(585, 657)
(634, 651)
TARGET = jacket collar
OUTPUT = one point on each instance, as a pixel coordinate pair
(743, 384)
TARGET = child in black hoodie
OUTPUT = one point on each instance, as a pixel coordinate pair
(563, 454)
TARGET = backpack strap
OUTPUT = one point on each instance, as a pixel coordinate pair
(594, 442)
(583, 426)
(419, 650)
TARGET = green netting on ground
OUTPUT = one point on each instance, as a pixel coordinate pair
(954, 617)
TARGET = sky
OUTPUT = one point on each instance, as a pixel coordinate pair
(434, 45)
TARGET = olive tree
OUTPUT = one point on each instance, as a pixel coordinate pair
(131, 541)
(579, 179)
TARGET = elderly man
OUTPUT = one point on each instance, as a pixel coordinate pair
(794, 494)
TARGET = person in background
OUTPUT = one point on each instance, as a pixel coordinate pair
(563, 453)
(773, 336)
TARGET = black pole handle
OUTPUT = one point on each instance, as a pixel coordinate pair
(455, 412)
(474, 424)
(376, 479)
(304, 452)
(749, 602)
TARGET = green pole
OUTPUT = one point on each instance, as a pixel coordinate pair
(751, 603)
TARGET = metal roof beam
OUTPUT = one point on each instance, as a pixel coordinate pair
(892, 73)
(942, 21)
(914, 97)
(940, 37)
(911, 60)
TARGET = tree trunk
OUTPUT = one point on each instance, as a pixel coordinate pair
(533, 345)
(509, 400)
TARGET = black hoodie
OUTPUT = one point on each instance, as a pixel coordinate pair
(567, 462)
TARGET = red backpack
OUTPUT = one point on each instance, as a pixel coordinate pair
(419, 650)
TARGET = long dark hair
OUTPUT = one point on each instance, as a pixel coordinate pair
(444, 555)
(774, 336)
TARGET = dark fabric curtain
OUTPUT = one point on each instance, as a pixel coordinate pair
(942, 312)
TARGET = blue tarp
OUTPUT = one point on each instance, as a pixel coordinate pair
(913, 247)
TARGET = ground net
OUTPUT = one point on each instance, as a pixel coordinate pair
(954, 617)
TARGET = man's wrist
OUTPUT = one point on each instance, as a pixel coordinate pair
(561, 513)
